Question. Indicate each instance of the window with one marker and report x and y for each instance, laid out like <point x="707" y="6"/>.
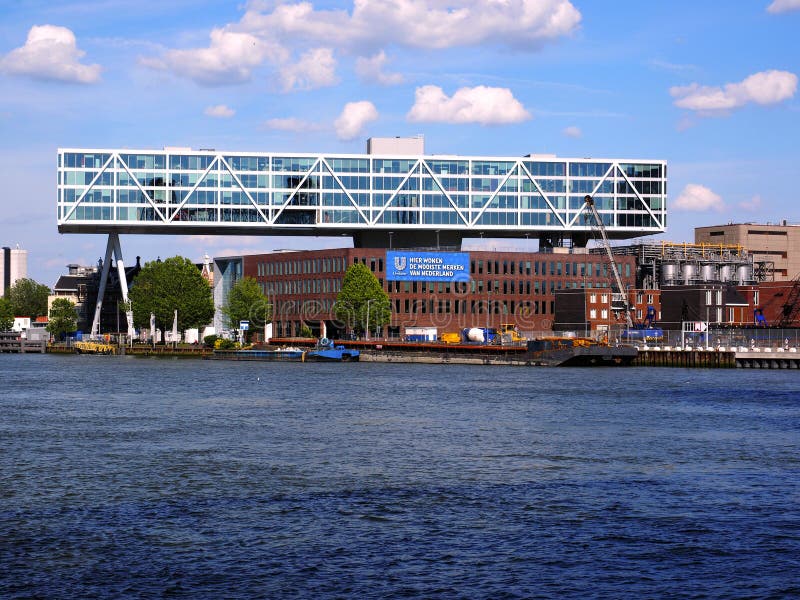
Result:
<point x="592" y="298"/>
<point x="604" y="314"/>
<point x="593" y="314"/>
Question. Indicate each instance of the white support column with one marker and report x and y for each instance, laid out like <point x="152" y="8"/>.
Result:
<point x="103" y="281"/>
<point x="123" y="282"/>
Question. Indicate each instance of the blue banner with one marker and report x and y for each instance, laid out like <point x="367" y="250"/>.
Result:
<point x="427" y="266"/>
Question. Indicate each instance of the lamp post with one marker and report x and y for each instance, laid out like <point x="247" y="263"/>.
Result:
<point x="266" y="308"/>
<point x="366" y="328"/>
<point x="488" y="310"/>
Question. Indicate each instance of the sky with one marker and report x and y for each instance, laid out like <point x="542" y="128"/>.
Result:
<point x="709" y="87"/>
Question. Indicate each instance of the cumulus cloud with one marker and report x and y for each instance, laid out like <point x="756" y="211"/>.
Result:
<point x="782" y="6"/>
<point x="220" y="111"/>
<point x="50" y="53"/>
<point x="230" y="58"/>
<point x="480" y="104"/>
<point x="315" y="69"/>
<point x="274" y="32"/>
<point x="419" y="23"/>
<point x="696" y="197"/>
<point x="291" y="124"/>
<point x="766" y="87"/>
<point x="371" y="69"/>
<point x="354" y="118"/>
<point x="572" y="131"/>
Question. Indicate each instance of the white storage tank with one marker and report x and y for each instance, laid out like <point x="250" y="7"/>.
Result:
<point x="725" y="272"/>
<point x="669" y="273"/>
<point x="708" y="272"/>
<point x="689" y="272"/>
<point x="744" y="274"/>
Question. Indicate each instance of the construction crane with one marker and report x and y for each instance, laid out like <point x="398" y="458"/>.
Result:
<point x="592" y="210"/>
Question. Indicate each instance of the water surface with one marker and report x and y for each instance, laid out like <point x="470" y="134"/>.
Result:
<point x="131" y="477"/>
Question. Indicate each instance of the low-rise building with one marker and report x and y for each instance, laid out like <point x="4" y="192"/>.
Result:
<point x="775" y="247"/>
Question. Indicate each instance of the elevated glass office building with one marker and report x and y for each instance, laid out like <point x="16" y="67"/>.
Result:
<point x="381" y="198"/>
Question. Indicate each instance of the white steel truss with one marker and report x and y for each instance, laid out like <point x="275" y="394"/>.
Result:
<point x="169" y="191"/>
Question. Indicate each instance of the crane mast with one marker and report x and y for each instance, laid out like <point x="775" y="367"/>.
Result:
<point x="592" y="210"/>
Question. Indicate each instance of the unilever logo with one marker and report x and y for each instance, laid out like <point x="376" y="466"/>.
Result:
<point x="399" y="263"/>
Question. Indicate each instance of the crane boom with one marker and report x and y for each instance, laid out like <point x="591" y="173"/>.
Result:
<point x="592" y="210"/>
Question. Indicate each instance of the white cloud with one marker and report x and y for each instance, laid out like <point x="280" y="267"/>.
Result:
<point x="272" y="32"/>
<point x="230" y="58"/>
<point x="291" y="124"/>
<point x="751" y="205"/>
<point x="371" y="69"/>
<point x="480" y="104"/>
<point x="50" y="53"/>
<point x="766" y="87"/>
<point x="354" y="117"/>
<point x="572" y="131"/>
<point x="220" y="111"/>
<point x="696" y="197"/>
<point x="782" y="6"/>
<point x="418" y="23"/>
<point x="315" y="69"/>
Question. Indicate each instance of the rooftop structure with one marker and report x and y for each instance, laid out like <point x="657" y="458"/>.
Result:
<point x="392" y="196"/>
<point x="669" y="263"/>
<point x="777" y="246"/>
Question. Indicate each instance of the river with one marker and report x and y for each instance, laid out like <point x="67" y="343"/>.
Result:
<point x="134" y="477"/>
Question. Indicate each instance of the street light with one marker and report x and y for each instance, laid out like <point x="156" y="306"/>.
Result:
<point x="366" y="328"/>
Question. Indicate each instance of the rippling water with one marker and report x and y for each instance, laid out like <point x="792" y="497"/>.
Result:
<point x="126" y="477"/>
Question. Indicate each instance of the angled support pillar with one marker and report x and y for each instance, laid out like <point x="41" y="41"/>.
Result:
<point x="112" y="247"/>
<point x="123" y="282"/>
<point x="103" y="281"/>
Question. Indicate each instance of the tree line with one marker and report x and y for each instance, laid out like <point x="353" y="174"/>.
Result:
<point x="164" y="286"/>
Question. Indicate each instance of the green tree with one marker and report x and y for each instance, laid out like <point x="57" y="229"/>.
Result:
<point x="6" y="314"/>
<point x="161" y="287"/>
<point x="63" y="317"/>
<point x="362" y="296"/>
<point x="28" y="298"/>
<point x="246" y="302"/>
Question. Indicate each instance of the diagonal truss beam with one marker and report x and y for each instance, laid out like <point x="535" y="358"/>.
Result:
<point x="196" y="185"/>
<point x="396" y="191"/>
<point x="441" y="188"/>
<point x="89" y="187"/>
<point x="543" y="195"/>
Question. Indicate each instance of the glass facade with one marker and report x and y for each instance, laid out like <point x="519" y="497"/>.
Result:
<point x="170" y="190"/>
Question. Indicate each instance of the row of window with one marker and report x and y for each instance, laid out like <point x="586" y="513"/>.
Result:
<point x="351" y="182"/>
<point x="334" y="264"/>
<point x="477" y="267"/>
<point x="201" y="162"/>
<point x="433" y="201"/>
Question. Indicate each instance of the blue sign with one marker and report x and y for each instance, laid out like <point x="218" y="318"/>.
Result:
<point x="427" y="266"/>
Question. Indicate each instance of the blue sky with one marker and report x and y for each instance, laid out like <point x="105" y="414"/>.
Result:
<point x="710" y="87"/>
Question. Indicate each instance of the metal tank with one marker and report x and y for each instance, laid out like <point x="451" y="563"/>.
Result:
<point x="689" y="271"/>
<point x="669" y="273"/>
<point x="725" y="272"/>
<point x="708" y="272"/>
<point x="744" y="273"/>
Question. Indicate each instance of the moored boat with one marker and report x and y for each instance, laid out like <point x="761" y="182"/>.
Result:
<point x="326" y="350"/>
<point x="275" y="354"/>
<point x="578" y="352"/>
